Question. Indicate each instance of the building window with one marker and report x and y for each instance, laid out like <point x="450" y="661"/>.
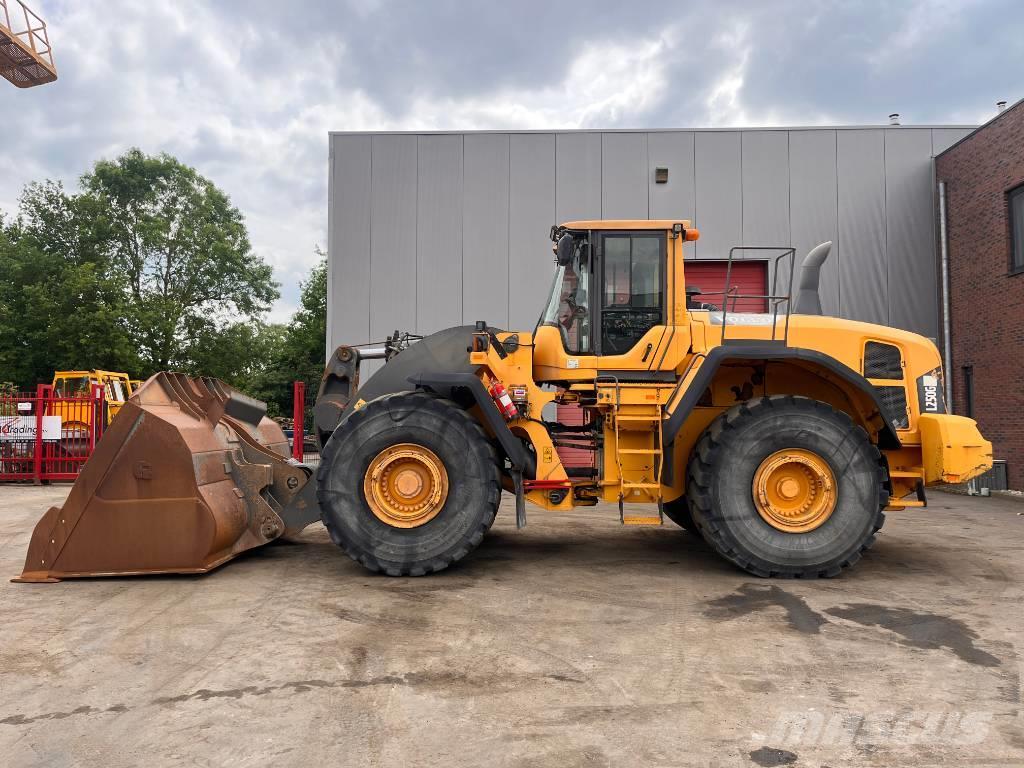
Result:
<point x="1016" y="205"/>
<point x="969" y="391"/>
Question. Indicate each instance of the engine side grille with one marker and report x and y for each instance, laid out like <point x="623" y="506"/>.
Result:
<point x="882" y="361"/>
<point x="895" y="401"/>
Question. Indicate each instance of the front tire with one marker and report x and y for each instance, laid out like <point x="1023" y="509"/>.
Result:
<point x="787" y="486"/>
<point x="408" y="484"/>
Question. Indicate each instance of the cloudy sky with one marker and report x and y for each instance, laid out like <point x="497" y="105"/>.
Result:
<point x="247" y="91"/>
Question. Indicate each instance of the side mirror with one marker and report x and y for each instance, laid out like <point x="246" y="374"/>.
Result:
<point x="564" y="249"/>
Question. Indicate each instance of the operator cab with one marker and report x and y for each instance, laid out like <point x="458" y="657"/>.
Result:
<point x="629" y="266"/>
<point x="612" y="296"/>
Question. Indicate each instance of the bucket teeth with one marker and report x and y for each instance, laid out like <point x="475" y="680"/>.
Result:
<point x="189" y="474"/>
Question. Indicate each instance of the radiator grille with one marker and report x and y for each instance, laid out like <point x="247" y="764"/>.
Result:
<point x="882" y="361"/>
<point x="894" y="399"/>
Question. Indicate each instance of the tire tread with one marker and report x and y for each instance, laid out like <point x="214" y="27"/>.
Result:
<point x="717" y="441"/>
<point x="446" y="409"/>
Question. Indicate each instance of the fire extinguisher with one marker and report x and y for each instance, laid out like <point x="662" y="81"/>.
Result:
<point x="503" y="401"/>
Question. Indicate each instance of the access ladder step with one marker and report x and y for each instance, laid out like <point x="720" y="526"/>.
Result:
<point x="641" y="520"/>
<point x="648" y="451"/>
<point x="641" y="485"/>
<point x="634" y="417"/>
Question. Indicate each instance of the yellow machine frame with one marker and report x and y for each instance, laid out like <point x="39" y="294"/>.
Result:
<point x="932" y="447"/>
<point x="834" y="419"/>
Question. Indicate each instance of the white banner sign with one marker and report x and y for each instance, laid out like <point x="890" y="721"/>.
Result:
<point x="23" y="428"/>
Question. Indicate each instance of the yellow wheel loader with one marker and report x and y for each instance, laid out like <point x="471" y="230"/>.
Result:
<point x="781" y="437"/>
<point x="76" y="416"/>
<point x="117" y="387"/>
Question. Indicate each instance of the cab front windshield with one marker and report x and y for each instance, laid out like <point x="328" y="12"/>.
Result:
<point x="72" y="386"/>
<point x="568" y="307"/>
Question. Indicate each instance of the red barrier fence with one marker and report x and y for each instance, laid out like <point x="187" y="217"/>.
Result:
<point x="45" y="436"/>
<point x="304" y="447"/>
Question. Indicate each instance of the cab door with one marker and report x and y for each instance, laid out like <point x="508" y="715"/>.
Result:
<point x="634" y="331"/>
<point x="621" y="313"/>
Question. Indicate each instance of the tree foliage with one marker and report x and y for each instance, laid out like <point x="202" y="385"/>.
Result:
<point x="60" y="301"/>
<point x="183" y="250"/>
<point x="148" y="267"/>
<point x="299" y="353"/>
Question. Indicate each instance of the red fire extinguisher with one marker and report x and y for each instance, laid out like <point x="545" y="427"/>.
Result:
<point x="503" y="401"/>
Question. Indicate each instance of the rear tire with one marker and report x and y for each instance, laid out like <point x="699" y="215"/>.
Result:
<point x="721" y="487"/>
<point x="471" y="492"/>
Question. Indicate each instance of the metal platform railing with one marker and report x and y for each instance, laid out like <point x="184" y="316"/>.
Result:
<point x="774" y="299"/>
<point x="26" y="58"/>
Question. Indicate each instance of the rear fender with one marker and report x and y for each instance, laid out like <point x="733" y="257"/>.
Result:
<point x="868" y="408"/>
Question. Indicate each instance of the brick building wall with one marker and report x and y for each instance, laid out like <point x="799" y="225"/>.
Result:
<point x="987" y="301"/>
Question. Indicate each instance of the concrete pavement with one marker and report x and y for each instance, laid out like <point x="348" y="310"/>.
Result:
<point x="575" y="642"/>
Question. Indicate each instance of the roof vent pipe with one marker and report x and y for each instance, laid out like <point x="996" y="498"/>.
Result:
<point x="894" y="118"/>
<point x="1000" y="106"/>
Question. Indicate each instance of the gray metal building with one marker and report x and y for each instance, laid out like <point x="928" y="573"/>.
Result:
<point x="429" y="230"/>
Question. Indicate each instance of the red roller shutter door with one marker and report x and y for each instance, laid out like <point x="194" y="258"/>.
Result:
<point x="748" y="277"/>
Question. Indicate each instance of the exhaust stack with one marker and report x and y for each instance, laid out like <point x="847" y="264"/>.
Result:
<point x="808" y="301"/>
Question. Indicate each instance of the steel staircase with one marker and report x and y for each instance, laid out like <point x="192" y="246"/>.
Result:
<point x="638" y="422"/>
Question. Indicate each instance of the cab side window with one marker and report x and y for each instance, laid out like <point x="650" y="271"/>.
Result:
<point x="633" y="299"/>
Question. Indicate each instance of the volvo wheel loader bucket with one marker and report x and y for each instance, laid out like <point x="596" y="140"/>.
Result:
<point x="189" y="474"/>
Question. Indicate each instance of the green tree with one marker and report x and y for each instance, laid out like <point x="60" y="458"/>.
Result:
<point x="306" y="337"/>
<point x="300" y="350"/>
<point x="240" y="354"/>
<point x="184" y="252"/>
<point x="147" y="268"/>
<point x="60" y="302"/>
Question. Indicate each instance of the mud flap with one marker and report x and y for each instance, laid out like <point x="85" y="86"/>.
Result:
<point x="517" y="481"/>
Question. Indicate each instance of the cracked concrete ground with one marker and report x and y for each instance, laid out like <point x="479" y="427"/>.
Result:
<point x="575" y="642"/>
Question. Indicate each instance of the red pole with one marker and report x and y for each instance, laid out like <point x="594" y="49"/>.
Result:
<point x="298" y="420"/>
<point x="37" y="462"/>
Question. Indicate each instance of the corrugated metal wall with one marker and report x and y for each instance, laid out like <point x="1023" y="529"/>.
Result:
<point x="435" y="229"/>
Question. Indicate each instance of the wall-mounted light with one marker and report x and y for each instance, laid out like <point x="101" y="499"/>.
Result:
<point x="661" y="175"/>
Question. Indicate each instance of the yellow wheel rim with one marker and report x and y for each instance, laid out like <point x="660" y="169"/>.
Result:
<point x="794" y="490"/>
<point x="405" y="485"/>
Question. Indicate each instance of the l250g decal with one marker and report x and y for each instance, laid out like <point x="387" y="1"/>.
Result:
<point x="929" y="392"/>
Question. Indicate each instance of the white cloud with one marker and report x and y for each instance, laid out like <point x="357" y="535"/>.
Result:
<point x="922" y="21"/>
<point x="247" y="91"/>
<point x="723" y="103"/>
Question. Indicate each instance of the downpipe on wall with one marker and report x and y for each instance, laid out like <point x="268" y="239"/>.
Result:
<point x="947" y="347"/>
